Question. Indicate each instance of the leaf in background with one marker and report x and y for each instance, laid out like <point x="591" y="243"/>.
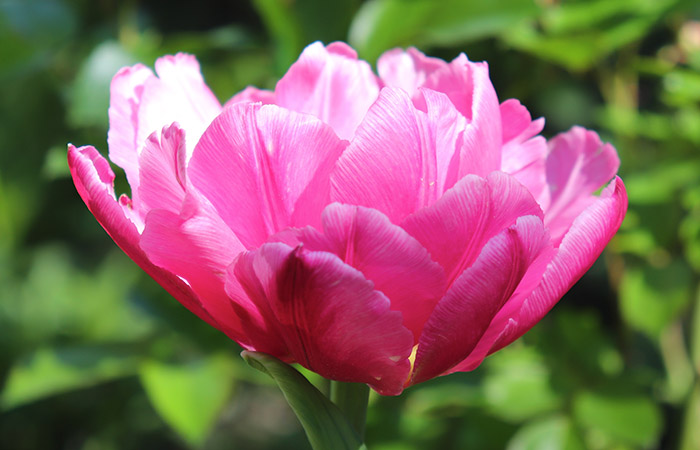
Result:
<point x="660" y="184"/>
<point x="30" y="30"/>
<point x="551" y="433"/>
<point x="382" y="24"/>
<point x="325" y="425"/>
<point x="578" y="34"/>
<point x="189" y="397"/>
<point x="296" y="23"/>
<point x="611" y="419"/>
<point x="89" y="95"/>
<point x="651" y="297"/>
<point x="516" y="386"/>
<point x="56" y="298"/>
<point x="49" y="372"/>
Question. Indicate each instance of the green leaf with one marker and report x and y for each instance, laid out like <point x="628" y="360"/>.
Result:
<point x="517" y="385"/>
<point x="89" y="99"/>
<point x="634" y="420"/>
<point x="578" y="34"/>
<point x="189" y="397"/>
<point x="49" y="372"/>
<point x="651" y="298"/>
<point x="375" y="28"/>
<point x="295" y="24"/>
<point x="550" y="433"/>
<point x="324" y="423"/>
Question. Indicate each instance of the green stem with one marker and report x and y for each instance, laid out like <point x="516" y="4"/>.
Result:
<point x="352" y="399"/>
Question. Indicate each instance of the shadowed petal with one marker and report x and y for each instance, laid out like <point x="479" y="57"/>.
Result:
<point x="197" y="246"/>
<point x="329" y="316"/>
<point x="578" y="164"/>
<point x="455" y="229"/>
<point x="579" y="249"/>
<point x="465" y="312"/>
<point x="395" y="262"/>
<point x="94" y="179"/>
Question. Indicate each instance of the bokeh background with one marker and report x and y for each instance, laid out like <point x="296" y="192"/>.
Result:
<point x="94" y="355"/>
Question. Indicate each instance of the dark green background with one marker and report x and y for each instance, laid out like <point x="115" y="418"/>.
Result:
<point x="94" y="355"/>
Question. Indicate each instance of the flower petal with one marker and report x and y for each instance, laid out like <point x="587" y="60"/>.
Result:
<point x="329" y="316"/>
<point x="524" y="152"/>
<point x="251" y="94"/>
<point x="465" y="312"/>
<point x="401" y="157"/>
<point x="455" y="229"/>
<point x="94" y="180"/>
<point x="197" y="246"/>
<point x="142" y="103"/>
<point x="265" y="168"/>
<point x="407" y="70"/>
<point x="579" y="249"/>
<point x="578" y="164"/>
<point x="469" y="87"/>
<point x="386" y="255"/>
<point x="331" y="84"/>
<point x="162" y="174"/>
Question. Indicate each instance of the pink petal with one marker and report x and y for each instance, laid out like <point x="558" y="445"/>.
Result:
<point x="251" y="94"/>
<point x="142" y="103"/>
<point x="265" y="168"/>
<point x="465" y="312"/>
<point x="407" y="70"/>
<point x="579" y="249"/>
<point x="469" y="87"/>
<point x="331" y="84"/>
<point x="401" y="158"/>
<point x="162" y="173"/>
<point x="524" y="153"/>
<point x="126" y="91"/>
<point x="578" y="164"/>
<point x="395" y="262"/>
<point x="455" y="229"/>
<point x="94" y="180"/>
<point x="329" y="316"/>
<point x="198" y="247"/>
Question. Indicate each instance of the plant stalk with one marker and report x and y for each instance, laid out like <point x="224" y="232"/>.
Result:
<point x="352" y="400"/>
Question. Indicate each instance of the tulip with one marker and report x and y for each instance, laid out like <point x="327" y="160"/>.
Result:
<point x="380" y="229"/>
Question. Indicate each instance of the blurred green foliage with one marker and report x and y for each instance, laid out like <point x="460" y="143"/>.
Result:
<point x="94" y="355"/>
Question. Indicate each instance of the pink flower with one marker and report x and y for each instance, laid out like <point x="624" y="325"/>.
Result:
<point x="376" y="229"/>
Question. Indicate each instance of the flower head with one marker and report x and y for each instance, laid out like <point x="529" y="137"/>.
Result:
<point x="378" y="229"/>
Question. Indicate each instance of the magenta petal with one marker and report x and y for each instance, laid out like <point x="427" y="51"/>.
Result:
<point x="198" y="247"/>
<point x="329" y="316"/>
<point x="578" y="164"/>
<point x="331" y="84"/>
<point x="386" y="255"/>
<point x="579" y="249"/>
<point x="265" y="168"/>
<point x="454" y="229"/>
<point x="162" y="173"/>
<point x="465" y="312"/>
<point x="94" y="179"/>
<point x="401" y="157"/>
